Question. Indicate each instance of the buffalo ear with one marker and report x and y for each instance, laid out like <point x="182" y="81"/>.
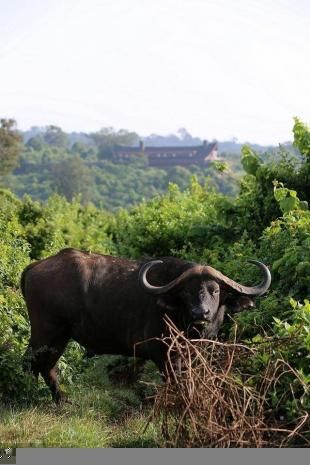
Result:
<point x="167" y="302"/>
<point x="235" y="304"/>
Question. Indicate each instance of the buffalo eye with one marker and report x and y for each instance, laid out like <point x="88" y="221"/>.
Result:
<point x="214" y="291"/>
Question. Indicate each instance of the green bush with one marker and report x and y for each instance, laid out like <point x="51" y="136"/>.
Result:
<point x="59" y="223"/>
<point x="269" y="221"/>
<point x="289" y="345"/>
<point x="14" y="332"/>
<point x="173" y="223"/>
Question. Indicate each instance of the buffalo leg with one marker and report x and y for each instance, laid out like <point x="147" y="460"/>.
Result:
<point x="44" y="360"/>
<point x="29" y="364"/>
<point x="50" y="377"/>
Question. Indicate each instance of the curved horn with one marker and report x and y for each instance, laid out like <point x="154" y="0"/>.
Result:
<point x="208" y="272"/>
<point x="194" y="271"/>
<point x="260" y="289"/>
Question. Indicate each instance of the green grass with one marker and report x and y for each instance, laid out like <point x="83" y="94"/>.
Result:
<point x="110" y="417"/>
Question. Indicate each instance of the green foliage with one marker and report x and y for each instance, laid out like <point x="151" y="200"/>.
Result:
<point x="286" y="242"/>
<point x="284" y="246"/>
<point x="106" y="138"/>
<point x="47" y="166"/>
<point x="72" y="177"/>
<point x="256" y="205"/>
<point x="297" y="330"/>
<point x="302" y="138"/>
<point x="55" y="136"/>
<point x="14" y="383"/>
<point x="59" y="224"/>
<point x="14" y="332"/>
<point x="170" y="224"/>
<point x="10" y="145"/>
<point x="287" y="198"/>
<point x="289" y="344"/>
<point x="269" y="220"/>
<point x="36" y="142"/>
<point x="220" y="166"/>
<point x="250" y="160"/>
<point x="14" y="249"/>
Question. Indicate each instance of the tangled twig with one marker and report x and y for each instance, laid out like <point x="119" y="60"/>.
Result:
<point x="210" y="400"/>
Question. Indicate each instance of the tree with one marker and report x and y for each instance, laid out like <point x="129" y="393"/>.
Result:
<point x="36" y="142"/>
<point x="73" y="177"/>
<point x="107" y="138"/>
<point x="302" y="138"/>
<point x="86" y="152"/>
<point x="55" y="136"/>
<point x="10" y="145"/>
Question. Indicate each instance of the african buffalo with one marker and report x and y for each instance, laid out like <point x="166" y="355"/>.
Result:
<point x="110" y="304"/>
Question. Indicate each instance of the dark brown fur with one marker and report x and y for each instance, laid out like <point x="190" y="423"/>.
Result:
<point x="97" y="301"/>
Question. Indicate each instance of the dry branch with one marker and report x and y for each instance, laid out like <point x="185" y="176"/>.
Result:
<point x="210" y="400"/>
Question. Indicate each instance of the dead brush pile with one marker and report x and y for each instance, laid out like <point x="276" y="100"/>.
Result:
<point x="211" y="399"/>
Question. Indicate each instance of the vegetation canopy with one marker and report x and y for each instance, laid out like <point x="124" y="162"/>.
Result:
<point x="258" y="370"/>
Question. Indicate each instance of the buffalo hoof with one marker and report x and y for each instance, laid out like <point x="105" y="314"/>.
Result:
<point x="62" y="399"/>
<point x="67" y="401"/>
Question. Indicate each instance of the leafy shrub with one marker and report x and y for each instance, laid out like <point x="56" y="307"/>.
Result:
<point x="14" y="329"/>
<point x="173" y="223"/>
<point x="59" y="223"/>
<point x="289" y="342"/>
<point x="297" y="331"/>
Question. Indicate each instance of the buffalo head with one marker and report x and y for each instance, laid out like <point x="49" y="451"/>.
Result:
<point x="201" y="295"/>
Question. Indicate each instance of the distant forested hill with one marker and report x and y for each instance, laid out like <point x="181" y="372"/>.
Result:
<point x="78" y="163"/>
<point x="181" y="138"/>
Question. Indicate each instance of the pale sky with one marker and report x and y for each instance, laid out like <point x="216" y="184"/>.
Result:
<point x="219" y="68"/>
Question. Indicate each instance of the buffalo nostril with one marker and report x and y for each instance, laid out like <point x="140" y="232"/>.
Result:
<point x="206" y="314"/>
<point x="200" y="314"/>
